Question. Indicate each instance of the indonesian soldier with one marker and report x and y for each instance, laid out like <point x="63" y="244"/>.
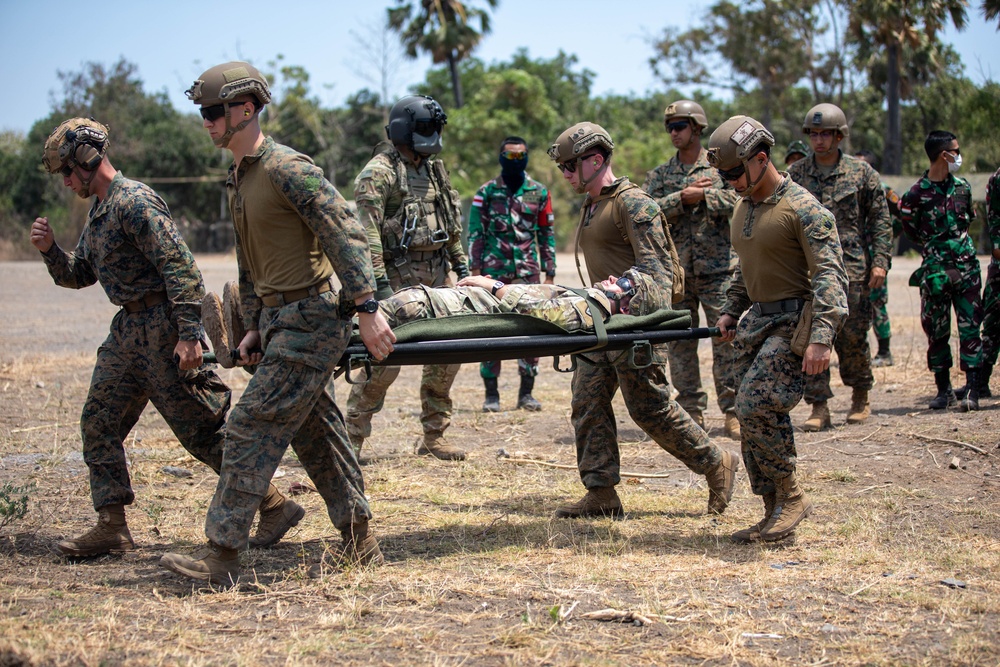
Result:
<point x="852" y="191"/>
<point x="132" y="247"/>
<point x="991" y="293"/>
<point x="936" y="213"/>
<point x="796" y="151"/>
<point x="512" y="239"/>
<point x="622" y="227"/>
<point x="414" y="223"/>
<point x="791" y="284"/>
<point x="697" y="205"/>
<point x="293" y="232"/>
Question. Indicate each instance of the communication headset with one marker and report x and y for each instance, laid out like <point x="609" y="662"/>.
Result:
<point x="85" y="147"/>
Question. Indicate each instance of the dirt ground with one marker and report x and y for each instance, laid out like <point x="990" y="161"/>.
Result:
<point x="899" y="565"/>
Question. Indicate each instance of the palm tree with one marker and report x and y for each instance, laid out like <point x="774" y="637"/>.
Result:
<point x="891" y="25"/>
<point x="443" y="29"/>
<point x="991" y="11"/>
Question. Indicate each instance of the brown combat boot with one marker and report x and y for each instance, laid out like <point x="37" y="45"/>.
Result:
<point x="359" y="548"/>
<point x="752" y="534"/>
<point x="790" y="506"/>
<point x="733" y="426"/>
<point x="819" y="419"/>
<point x="438" y="447"/>
<point x="110" y="535"/>
<point x="861" y="409"/>
<point x="217" y="565"/>
<point x="599" y="501"/>
<point x="278" y="515"/>
<point x="721" y="480"/>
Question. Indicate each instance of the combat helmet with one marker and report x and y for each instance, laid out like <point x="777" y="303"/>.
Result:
<point x="645" y="295"/>
<point x="825" y="116"/>
<point x="77" y="144"/>
<point x="223" y="85"/>
<point x="736" y="141"/>
<point x="417" y="121"/>
<point x="687" y="110"/>
<point x="575" y="141"/>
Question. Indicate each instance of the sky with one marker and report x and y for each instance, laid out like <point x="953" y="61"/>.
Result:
<point x="172" y="43"/>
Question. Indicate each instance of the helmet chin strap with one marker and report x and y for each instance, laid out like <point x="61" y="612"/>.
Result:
<point x="223" y="141"/>
<point x="752" y="184"/>
<point x="581" y="183"/>
<point x="84" y="191"/>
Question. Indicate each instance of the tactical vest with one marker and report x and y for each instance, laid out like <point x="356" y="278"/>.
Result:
<point x="419" y="222"/>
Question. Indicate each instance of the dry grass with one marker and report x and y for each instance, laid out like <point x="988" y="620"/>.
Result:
<point x="478" y="572"/>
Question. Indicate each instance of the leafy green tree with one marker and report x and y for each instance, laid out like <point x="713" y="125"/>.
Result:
<point x="442" y="28"/>
<point x="894" y="26"/>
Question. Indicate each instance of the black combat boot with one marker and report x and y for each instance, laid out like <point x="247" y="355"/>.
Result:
<point x="945" y="397"/>
<point x="525" y="401"/>
<point x="985" y="372"/>
<point x="971" y="400"/>
<point x="492" y="402"/>
<point x="884" y="356"/>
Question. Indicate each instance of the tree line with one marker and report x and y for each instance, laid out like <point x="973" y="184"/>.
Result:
<point x="768" y="59"/>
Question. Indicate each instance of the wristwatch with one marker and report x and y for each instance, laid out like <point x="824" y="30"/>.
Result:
<point x="496" y="286"/>
<point x="369" y="306"/>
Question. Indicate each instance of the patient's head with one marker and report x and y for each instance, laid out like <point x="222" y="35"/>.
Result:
<point x="633" y="293"/>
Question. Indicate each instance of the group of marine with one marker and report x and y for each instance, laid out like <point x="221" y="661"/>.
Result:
<point x="786" y="265"/>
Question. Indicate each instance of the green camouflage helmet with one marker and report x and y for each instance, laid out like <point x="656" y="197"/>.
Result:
<point x="733" y="142"/>
<point x="687" y="110"/>
<point x="578" y="139"/>
<point x="226" y="82"/>
<point x="825" y="116"/>
<point x="647" y="297"/>
<point x="796" y="147"/>
<point x="75" y="142"/>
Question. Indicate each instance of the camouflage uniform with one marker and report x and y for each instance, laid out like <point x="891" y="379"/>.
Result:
<point x="852" y="191"/>
<point x="131" y="246"/>
<point x="551" y="303"/>
<point x="991" y="294"/>
<point x="645" y="391"/>
<point x="769" y="374"/>
<point x="289" y="220"/>
<point x="937" y="215"/>
<point x="389" y="191"/>
<point x="512" y="239"/>
<point x="880" y="295"/>
<point x="701" y="234"/>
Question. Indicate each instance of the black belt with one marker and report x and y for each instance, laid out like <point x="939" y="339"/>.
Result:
<point x="777" y="307"/>
<point x="145" y="303"/>
<point x="282" y="298"/>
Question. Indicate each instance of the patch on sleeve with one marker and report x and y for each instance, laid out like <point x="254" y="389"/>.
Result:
<point x="312" y="183"/>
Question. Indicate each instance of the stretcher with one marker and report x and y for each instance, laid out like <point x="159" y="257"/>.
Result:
<point x="467" y="338"/>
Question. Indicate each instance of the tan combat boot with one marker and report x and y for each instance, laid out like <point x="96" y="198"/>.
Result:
<point x="599" y="501"/>
<point x="790" y="506"/>
<point x="278" y="515"/>
<point x="111" y="534"/>
<point x="861" y="409"/>
<point x="359" y="548"/>
<point x="217" y="565"/>
<point x="752" y="534"/>
<point x="819" y="419"/>
<point x="733" y="426"/>
<point x="438" y="447"/>
<point x="721" y="480"/>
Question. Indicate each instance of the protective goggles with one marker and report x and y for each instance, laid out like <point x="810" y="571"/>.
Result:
<point x="677" y="126"/>
<point x="217" y="111"/>
<point x="66" y="170"/>
<point x="427" y="127"/>
<point x="732" y="174"/>
<point x="570" y="166"/>
<point x="628" y="289"/>
<point x="513" y="155"/>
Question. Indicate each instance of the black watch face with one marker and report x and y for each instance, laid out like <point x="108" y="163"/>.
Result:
<point x="369" y="306"/>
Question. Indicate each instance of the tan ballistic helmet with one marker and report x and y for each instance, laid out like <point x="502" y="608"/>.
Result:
<point x="647" y="297"/>
<point x="732" y="142"/>
<point x="579" y="139"/>
<point x="688" y="110"/>
<point x="228" y="81"/>
<point x="75" y="142"/>
<point x="825" y="116"/>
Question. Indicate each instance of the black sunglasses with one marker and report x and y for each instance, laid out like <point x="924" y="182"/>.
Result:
<point x="732" y="174"/>
<point x="217" y="111"/>
<point x="570" y="166"/>
<point x="66" y="170"/>
<point x="677" y="126"/>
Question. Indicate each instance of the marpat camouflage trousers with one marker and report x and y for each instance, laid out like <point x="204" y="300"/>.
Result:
<point x="852" y="348"/>
<point x="435" y="398"/>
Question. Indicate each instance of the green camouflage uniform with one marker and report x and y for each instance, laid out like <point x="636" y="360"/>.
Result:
<point x="991" y="294"/>
<point x="512" y="239"/>
<point x="769" y="374"/>
<point x="131" y="246"/>
<point x="701" y="234"/>
<point x="880" y="295"/>
<point x="551" y="303"/>
<point x="286" y="401"/>
<point x="937" y="216"/>
<point x="645" y="391"/>
<point x="852" y="191"/>
<point x="388" y="191"/>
